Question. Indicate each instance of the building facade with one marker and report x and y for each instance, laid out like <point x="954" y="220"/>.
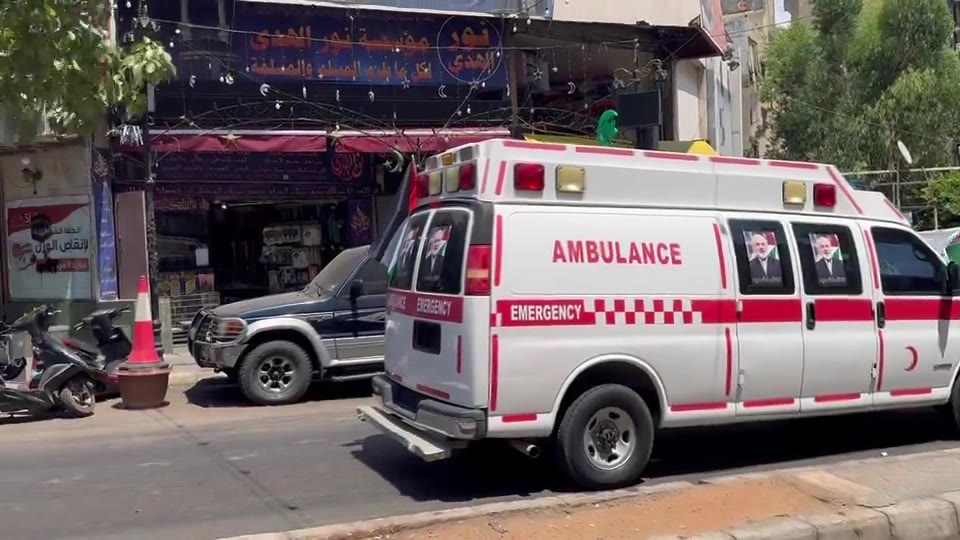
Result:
<point x="286" y="133"/>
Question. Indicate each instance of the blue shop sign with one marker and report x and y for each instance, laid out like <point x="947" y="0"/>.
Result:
<point x="402" y="50"/>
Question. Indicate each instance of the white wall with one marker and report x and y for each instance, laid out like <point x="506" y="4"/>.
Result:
<point x="724" y="118"/>
<point x="65" y="168"/>
<point x="690" y="100"/>
<point x="655" y="12"/>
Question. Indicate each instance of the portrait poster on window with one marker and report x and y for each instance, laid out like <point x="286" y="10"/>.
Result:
<point x="406" y="255"/>
<point x="431" y="266"/>
<point x="828" y="260"/>
<point x="763" y="257"/>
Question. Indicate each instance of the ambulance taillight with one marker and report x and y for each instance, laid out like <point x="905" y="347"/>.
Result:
<point x="478" y="271"/>
<point x="825" y="195"/>
<point x="528" y="177"/>
<point x="468" y="175"/>
<point x="421" y="186"/>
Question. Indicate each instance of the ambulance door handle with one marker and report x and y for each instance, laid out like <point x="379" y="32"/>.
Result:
<point x="811" y="316"/>
<point x="881" y="315"/>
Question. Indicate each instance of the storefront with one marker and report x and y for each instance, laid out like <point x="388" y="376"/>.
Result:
<point x="243" y="214"/>
<point x="246" y="224"/>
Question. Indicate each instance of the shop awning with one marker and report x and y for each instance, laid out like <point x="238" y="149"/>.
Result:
<point x="374" y="141"/>
<point x="239" y="141"/>
<point x="413" y="140"/>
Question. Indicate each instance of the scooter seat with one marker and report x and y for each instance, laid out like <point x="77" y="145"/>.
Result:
<point x="82" y="346"/>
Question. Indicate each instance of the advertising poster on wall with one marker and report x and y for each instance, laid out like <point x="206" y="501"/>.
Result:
<point x="50" y="243"/>
<point x="711" y="20"/>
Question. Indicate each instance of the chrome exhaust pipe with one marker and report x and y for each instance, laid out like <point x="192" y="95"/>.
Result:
<point x="526" y="448"/>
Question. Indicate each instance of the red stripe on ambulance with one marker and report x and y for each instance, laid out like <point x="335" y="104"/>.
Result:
<point x="551" y="147"/>
<point x="875" y="271"/>
<point x="921" y="309"/>
<point x="726" y="160"/>
<point x="501" y="176"/>
<point x="723" y="262"/>
<point x="671" y="155"/>
<point x="842" y="184"/>
<point x="600" y="150"/>
<point x="486" y="173"/>
<point x="494" y="370"/>
<point x="793" y="164"/>
<point x="426" y="306"/>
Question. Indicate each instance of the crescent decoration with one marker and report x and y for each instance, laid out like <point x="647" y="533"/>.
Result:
<point x="914" y="358"/>
<point x="442" y="91"/>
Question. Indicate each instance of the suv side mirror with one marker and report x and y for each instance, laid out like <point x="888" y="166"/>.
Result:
<point x="953" y="277"/>
<point x="357" y="289"/>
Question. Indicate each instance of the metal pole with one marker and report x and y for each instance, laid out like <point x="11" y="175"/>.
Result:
<point x="150" y="217"/>
<point x="896" y="190"/>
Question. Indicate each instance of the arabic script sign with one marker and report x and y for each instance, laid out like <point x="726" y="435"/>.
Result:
<point x="225" y="174"/>
<point x="401" y="50"/>
<point x="50" y="248"/>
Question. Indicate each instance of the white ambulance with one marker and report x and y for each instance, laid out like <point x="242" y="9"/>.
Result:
<point x="580" y="299"/>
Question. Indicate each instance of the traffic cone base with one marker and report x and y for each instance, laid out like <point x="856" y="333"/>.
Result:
<point x="143" y="377"/>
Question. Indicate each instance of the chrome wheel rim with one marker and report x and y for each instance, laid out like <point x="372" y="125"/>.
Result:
<point x="275" y="374"/>
<point x="609" y="438"/>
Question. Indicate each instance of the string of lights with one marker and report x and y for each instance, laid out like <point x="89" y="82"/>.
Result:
<point x="402" y="47"/>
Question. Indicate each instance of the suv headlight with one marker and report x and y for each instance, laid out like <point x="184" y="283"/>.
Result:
<point x="228" y="330"/>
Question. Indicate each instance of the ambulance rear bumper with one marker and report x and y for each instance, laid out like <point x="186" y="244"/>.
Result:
<point x="416" y="419"/>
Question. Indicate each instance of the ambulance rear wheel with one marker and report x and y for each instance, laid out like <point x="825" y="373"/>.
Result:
<point x="951" y="411"/>
<point x="605" y="438"/>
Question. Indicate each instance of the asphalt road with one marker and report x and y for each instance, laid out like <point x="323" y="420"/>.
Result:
<point x="207" y="466"/>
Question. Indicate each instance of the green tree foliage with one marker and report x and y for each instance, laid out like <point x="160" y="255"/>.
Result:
<point x="57" y="58"/>
<point x="844" y="86"/>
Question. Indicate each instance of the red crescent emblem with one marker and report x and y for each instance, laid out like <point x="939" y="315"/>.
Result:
<point x="914" y="358"/>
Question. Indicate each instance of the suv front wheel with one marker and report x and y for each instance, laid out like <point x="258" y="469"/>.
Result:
<point x="275" y="373"/>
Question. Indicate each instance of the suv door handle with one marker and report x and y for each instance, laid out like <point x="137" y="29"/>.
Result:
<point x="811" y="316"/>
<point x="881" y="315"/>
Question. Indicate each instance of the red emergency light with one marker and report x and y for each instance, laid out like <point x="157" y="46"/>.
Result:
<point x="468" y="175"/>
<point x="528" y="177"/>
<point x="825" y="195"/>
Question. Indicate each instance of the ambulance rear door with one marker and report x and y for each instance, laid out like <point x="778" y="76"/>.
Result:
<point x="438" y="305"/>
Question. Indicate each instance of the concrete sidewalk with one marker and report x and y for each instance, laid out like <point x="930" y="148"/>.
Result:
<point x="186" y="372"/>
<point x="914" y="497"/>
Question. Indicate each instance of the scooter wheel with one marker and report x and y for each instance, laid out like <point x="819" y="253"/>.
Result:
<point x="77" y="397"/>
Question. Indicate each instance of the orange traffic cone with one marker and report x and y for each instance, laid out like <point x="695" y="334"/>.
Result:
<point x="144" y="348"/>
<point x="144" y="376"/>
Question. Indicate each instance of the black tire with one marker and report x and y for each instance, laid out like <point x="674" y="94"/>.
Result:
<point x="78" y="397"/>
<point x="951" y="410"/>
<point x="272" y="352"/>
<point x="571" y="449"/>
<point x="233" y="374"/>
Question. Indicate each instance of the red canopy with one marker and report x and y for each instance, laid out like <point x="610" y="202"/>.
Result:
<point x="376" y="142"/>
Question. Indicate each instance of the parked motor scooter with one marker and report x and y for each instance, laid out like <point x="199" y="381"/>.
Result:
<point x="59" y="376"/>
<point x="112" y="348"/>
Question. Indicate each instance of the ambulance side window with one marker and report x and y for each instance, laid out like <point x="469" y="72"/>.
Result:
<point x="441" y="262"/>
<point x="763" y="257"/>
<point x="401" y="274"/>
<point x="828" y="257"/>
<point x="907" y="266"/>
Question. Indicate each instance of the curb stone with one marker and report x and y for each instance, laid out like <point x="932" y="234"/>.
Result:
<point x="927" y="518"/>
<point x="190" y="377"/>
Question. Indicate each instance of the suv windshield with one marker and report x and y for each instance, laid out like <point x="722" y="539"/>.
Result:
<point x="336" y="271"/>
